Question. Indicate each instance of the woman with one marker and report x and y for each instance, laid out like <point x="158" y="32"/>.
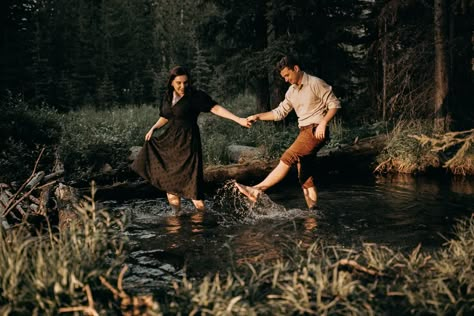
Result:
<point x="172" y="162"/>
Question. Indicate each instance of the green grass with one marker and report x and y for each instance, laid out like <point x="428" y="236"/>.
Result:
<point x="47" y="274"/>
<point x="39" y="274"/>
<point x="404" y="153"/>
<point x="92" y="138"/>
<point x="88" y="139"/>
<point x="328" y="280"/>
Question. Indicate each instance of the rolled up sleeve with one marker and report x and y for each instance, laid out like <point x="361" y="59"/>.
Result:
<point x="283" y="109"/>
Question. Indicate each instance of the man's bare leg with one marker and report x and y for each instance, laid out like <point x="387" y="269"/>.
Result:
<point x="277" y="174"/>
<point x="199" y="204"/>
<point x="311" y="196"/>
<point x="175" y="201"/>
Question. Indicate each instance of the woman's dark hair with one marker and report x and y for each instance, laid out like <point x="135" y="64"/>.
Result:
<point x="287" y="61"/>
<point x="175" y="72"/>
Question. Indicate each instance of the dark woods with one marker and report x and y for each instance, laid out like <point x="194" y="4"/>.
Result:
<point x="381" y="56"/>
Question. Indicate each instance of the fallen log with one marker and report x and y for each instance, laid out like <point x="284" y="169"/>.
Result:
<point x="53" y="175"/>
<point x="35" y="180"/>
<point x="356" y="158"/>
<point x="44" y="200"/>
<point x="345" y="159"/>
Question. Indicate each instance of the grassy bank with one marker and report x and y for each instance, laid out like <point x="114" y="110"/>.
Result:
<point x="76" y="269"/>
<point x="327" y="280"/>
<point x="40" y="273"/>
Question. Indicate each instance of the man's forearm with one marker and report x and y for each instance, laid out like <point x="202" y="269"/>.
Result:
<point x="329" y="115"/>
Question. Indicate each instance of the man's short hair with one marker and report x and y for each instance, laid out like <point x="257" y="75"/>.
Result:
<point x="287" y="61"/>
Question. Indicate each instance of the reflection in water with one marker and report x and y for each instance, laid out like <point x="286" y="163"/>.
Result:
<point x="462" y="185"/>
<point x="310" y="224"/>
<point x="398" y="211"/>
<point x="197" y="220"/>
<point x="173" y="224"/>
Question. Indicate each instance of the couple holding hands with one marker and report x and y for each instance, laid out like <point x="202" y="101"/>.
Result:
<point x="172" y="162"/>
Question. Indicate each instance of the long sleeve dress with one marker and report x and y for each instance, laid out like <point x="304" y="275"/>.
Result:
<point x="172" y="161"/>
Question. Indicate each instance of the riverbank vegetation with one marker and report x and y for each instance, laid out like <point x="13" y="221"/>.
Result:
<point x="76" y="269"/>
<point x="88" y="141"/>
<point x="328" y="280"/>
<point x="42" y="270"/>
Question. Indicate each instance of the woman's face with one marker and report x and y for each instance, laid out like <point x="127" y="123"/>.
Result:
<point x="179" y="84"/>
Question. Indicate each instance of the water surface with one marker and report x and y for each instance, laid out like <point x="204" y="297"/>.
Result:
<point x="399" y="212"/>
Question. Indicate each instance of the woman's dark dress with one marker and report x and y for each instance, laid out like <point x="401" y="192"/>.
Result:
<point x="172" y="162"/>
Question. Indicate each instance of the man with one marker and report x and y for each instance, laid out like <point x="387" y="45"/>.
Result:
<point x="315" y="105"/>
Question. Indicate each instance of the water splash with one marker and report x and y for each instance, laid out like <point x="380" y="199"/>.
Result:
<point x="235" y="208"/>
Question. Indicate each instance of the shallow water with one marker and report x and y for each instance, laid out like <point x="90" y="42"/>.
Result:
<point x="399" y="212"/>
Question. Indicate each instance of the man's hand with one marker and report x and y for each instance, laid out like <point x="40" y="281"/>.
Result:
<point x="253" y="118"/>
<point x="320" y="132"/>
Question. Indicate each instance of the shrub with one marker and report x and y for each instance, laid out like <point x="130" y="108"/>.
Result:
<point x="25" y="131"/>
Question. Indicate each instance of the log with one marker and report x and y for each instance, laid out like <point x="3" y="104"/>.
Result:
<point x="66" y="197"/>
<point x="5" y="223"/>
<point x="240" y="172"/>
<point x="19" y="208"/>
<point x="355" y="158"/>
<point x="346" y="159"/>
<point x="43" y="200"/>
<point x="33" y="199"/>
<point x="4" y="198"/>
<point x="35" y="180"/>
<point x="53" y="175"/>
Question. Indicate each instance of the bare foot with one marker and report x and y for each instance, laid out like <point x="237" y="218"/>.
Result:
<point x="251" y="193"/>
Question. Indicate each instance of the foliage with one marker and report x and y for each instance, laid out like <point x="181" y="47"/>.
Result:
<point x="91" y="138"/>
<point x="25" y="131"/>
<point x="457" y="146"/>
<point x="404" y="61"/>
<point x="41" y="273"/>
<point x="403" y="154"/>
<point x="331" y="280"/>
<point x="218" y="133"/>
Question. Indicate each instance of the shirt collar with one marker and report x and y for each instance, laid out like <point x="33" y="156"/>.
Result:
<point x="304" y="80"/>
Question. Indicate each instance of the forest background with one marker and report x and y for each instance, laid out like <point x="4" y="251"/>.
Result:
<point x="388" y="61"/>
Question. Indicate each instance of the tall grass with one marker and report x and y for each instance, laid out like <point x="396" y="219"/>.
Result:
<point x="404" y="153"/>
<point x="328" y="280"/>
<point x="41" y="273"/>
<point x="91" y="137"/>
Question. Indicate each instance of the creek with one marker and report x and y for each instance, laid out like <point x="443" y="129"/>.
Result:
<point x="399" y="212"/>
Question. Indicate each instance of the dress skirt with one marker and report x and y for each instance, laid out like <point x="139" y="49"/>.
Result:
<point x="172" y="162"/>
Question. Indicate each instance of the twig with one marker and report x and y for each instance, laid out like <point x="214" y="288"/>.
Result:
<point x="7" y="210"/>
<point x="355" y="265"/>
<point x="26" y="182"/>
<point x="88" y="310"/>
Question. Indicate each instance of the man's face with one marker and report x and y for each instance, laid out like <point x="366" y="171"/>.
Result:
<point x="291" y="75"/>
<point x="179" y="84"/>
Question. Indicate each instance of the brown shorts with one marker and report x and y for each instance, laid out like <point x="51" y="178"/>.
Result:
<point x="303" y="153"/>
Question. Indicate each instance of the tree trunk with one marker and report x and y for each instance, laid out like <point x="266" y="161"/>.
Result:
<point x="261" y="85"/>
<point x="441" y="67"/>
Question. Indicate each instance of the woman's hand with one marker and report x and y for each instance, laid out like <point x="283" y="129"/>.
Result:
<point x="149" y="134"/>
<point x="244" y="122"/>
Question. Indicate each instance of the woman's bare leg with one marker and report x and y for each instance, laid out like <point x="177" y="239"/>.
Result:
<point x="175" y="201"/>
<point x="199" y="204"/>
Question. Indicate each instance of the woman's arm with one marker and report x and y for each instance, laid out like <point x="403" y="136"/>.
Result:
<point x="161" y="121"/>
<point x="223" y="112"/>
